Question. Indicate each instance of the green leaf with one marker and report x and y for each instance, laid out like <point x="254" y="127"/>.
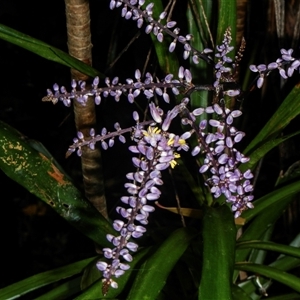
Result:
<point x="260" y="225"/>
<point x="263" y="221"/>
<point x="273" y="273"/>
<point x="45" y="50"/>
<point x="283" y="249"/>
<point x="219" y="234"/>
<point x="284" y="263"/>
<point x="63" y="291"/>
<point x="94" y="290"/>
<point x="239" y="294"/>
<point x="292" y="174"/>
<point x="153" y="274"/>
<point x="197" y="12"/>
<point x="32" y="283"/>
<point x="226" y="19"/>
<point x="199" y="16"/>
<point x="258" y="256"/>
<point x="274" y="197"/>
<point x="296" y="241"/>
<point x="40" y="175"/>
<point x="90" y="275"/>
<point x="291" y="296"/>
<point x="262" y="150"/>
<point x="288" y="110"/>
<point x="255" y="286"/>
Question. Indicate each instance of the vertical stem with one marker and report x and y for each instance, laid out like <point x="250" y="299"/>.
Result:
<point x="79" y="44"/>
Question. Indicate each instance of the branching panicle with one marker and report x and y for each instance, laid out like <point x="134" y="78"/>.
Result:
<point x="286" y="65"/>
<point x="221" y="158"/>
<point x="136" y="11"/>
<point x="155" y="147"/>
<point x="81" y="141"/>
<point x="133" y="88"/>
<point x="155" y="151"/>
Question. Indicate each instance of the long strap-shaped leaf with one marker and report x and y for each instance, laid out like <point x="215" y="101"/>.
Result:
<point x="45" y="50"/>
<point x="226" y="18"/>
<point x="239" y="294"/>
<point x="199" y="17"/>
<point x="261" y="151"/>
<point x="284" y="263"/>
<point x="41" y="176"/>
<point x="277" y="197"/>
<point x="283" y="249"/>
<point x="288" y="110"/>
<point x="273" y="273"/>
<point x="219" y="235"/>
<point x="153" y="274"/>
<point x="260" y="225"/>
<point x="64" y="291"/>
<point x="93" y="291"/>
<point x="32" y="283"/>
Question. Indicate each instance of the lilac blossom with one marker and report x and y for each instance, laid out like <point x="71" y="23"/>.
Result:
<point x="155" y="148"/>
<point x="133" y="88"/>
<point x="140" y="12"/>
<point x="222" y="159"/>
<point x="155" y="151"/>
<point x="286" y="65"/>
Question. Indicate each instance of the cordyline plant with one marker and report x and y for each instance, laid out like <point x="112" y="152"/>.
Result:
<point x="209" y="131"/>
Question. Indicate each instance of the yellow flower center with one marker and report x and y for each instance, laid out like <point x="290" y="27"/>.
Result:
<point x="173" y="162"/>
<point x="151" y="131"/>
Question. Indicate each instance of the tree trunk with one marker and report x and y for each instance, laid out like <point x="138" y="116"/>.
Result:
<point x="79" y="44"/>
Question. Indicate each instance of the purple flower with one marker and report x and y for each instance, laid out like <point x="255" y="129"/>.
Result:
<point x="156" y="151"/>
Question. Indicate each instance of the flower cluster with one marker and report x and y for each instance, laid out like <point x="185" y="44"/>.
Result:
<point x="286" y="65"/>
<point x="221" y="158"/>
<point x="133" y="9"/>
<point x="132" y="88"/>
<point x="156" y="150"/>
<point x="223" y="70"/>
<point x="106" y="139"/>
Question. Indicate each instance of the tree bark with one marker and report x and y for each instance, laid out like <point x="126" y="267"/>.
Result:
<point x="79" y="45"/>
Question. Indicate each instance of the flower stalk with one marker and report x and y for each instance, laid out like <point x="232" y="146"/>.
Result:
<point x="155" y="146"/>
